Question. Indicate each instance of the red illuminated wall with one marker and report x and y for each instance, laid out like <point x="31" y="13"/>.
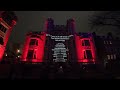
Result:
<point x="2" y="49"/>
<point x="80" y="49"/>
<point x="25" y="48"/>
<point x="38" y="50"/>
<point x="5" y="36"/>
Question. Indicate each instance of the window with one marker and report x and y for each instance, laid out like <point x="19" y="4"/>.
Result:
<point x="1" y="41"/>
<point x="2" y="28"/>
<point x="110" y="42"/>
<point x="104" y="42"/>
<point x="114" y="56"/>
<point x="108" y="56"/>
<point x="34" y="56"/>
<point x="33" y="42"/>
<point x="87" y="54"/>
<point x="85" y="43"/>
<point x="82" y="43"/>
<point x="30" y="54"/>
<point x="37" y="42"/>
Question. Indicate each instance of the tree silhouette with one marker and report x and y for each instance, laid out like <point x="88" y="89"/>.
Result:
<point x="105" y="18"/>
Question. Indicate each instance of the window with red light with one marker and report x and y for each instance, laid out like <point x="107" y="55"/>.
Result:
<point x="2" y="28"/>
<point x="82" y="42"/>
<point x="85" y="43"/>
<point x="34" y="56"/>
<point x="87" y="54"/>
<point x="33" y="42"/>
<point x="30" y="54"/>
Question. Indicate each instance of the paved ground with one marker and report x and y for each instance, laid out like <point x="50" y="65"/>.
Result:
<point x="24" y="71"/>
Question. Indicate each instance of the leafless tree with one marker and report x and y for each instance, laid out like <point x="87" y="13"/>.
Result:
<point x="105" y="18"/>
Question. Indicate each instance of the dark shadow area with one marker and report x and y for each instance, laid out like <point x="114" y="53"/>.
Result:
<point x="47" y="71"/>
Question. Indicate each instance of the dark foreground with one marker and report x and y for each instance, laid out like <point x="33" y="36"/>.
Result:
<point x="49" y="71"/>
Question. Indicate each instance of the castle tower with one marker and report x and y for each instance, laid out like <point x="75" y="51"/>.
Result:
<point x="85" y="47"/>
<point x="33" y="50"/>
<point x="8" y="20"/>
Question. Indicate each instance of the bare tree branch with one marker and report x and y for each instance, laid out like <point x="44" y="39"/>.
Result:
<point x="105" y="18"/>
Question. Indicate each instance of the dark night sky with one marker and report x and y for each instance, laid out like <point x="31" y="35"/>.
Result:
<point x="34" y="21"/>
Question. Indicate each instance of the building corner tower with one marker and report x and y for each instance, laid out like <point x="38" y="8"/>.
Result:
<point x="8" y="20"/>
